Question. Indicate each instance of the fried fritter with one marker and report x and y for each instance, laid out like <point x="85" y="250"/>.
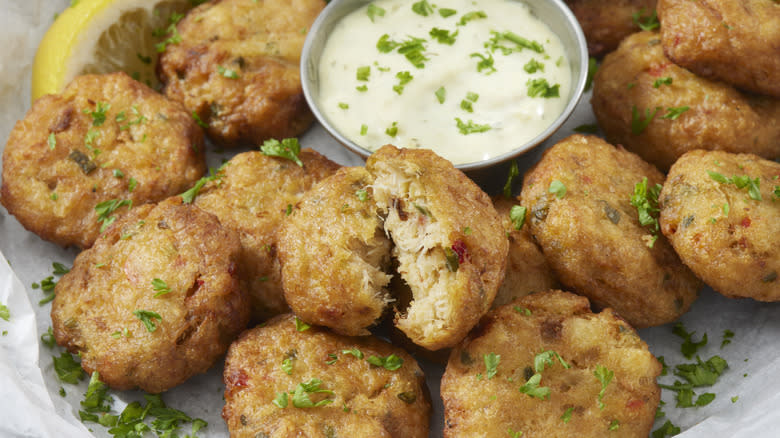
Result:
<point x="660" y="111"/>
<point x="79" y="160"/>
<point x="252" y="194"/>
<point x="334" y="255"/>
<point x="155" y="301"/>
<point x="449" y="242"/>
<point x="527" y="270"/>
<point x="606" y="23"/>
<point x="721" y="212"/>
<point x="736" y="41"/>
<point x="281" y="382"/>
<point x="545" y="366"/>
<point x="237" y="67"/>
<point x="580" y="210"/>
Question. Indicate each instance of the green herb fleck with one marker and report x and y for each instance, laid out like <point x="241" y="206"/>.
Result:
<point x="422" y="8"/>
<point x="638" y="124"/>
<point x="604" y="376"/>
<point x="300" y="325"/>
<point x="227" y="72"/>
<point x="674" y="112"/>
<point x="147" y="317"/>
<point x="390" y="363"/>
<point x="539" y="87"/>
<point x="666" y="80"/>
<point x="67" y="369"/>
<point x="288" y="148"/>
<point x="161" y="287"/>
<point x="441" y="94"/>
<point x="374" y="11"/>
<point x="557" y="188"/>
<point x="470" y="127"/>
<point x="491" y="364"/>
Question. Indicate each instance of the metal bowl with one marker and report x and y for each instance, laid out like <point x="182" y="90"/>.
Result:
<point x="553" y="12"/>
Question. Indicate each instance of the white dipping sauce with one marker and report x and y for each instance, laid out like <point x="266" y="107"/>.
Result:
<point x="499" y="97"/>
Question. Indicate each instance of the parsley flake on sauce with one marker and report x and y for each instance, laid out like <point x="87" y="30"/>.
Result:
<point x="5" y="313"/>
<point x="443" y="36"/>
<point x="422" y="8"/>
<point x="374" y="11"/>
<point x="441" y="94"/>
<point x="539" y="87"/>
<point x="470" y="127"/>
<point x="447" y="12"/>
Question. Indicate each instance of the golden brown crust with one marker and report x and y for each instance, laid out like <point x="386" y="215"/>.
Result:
<point x="719" y="117"/>
<point x="527" y="271"/>
<point x="555" y="321"/>
<point x="726" y="237"/>
<point x="367" y="400"/>
<point x="449" y="242"/>
<point x="606" y="23"/>
<point x="333" y="251"/>
<point x="592" y="237"/>
<point x="146" y="149"/>
<point x="261" y="43"/>
<point x="186" y="248"/>
<point x="736" y="41"/>
<point x="251" y="196"/>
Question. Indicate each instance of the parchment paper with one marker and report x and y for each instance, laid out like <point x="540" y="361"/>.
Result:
<point x="30" y="404"/>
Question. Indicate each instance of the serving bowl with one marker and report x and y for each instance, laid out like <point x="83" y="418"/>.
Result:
<point x="552" y="12"/>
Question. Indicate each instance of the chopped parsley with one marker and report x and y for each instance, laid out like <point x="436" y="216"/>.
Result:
<point x="592" y="69"/>
<point x="441" y="94"/>
<point x="118" y="173"/>
<point x="95" y="400"/>
<point x="139" y="118"/>
<point x="514" y="173"/>
<point x="532" y="388"/>
<point x="470" y="16"/>
<point x="363" y="73"/>
<point x="447" y="12"/>
<point x="48" y="338"/>
<point x="588" y="128"/>
<point x="470" y="127"/>
<point x="491" y="364"/>
<point x="666" y="80"/>
<point x="147" y="317"/>
<point x="533" y="66"/>
<point x="199" y="121"/>
<point x="539" y="87"/>
<point x="646" y="23"/>
<point x="404" y="77"/>
<point x="67" y="369"/>
<point x="227" y="72"/>
<point x="674" y="112"/>
<point x="392" y="130"/>
<point x="374" y="11"/>
<point x="638" y="124"/>
<point x="301" y="398"/>
<point x="362" y="195"/>
<point x="412" y="48"/>
<point x="667" y="429"/>
<point x="485" y="63"/>
<point x="604" y="376"/>
<point x="547" y="358"/>
<point x="106" y="209"/>
<point x="422" y="8"/>
<point x="566" y="417"/>
<point x="443" y="36"/>
<point x="646" y="202"/>
<point x="288" y="148"/>
<point x="390" y="363"/>
<point x="287" y="365"/>
<point x="5" y="313"/>
<point x="363" y="129"/>
<point x="354" y="352"/>
<point x="688" y="347"/>
<point x="51" y="141"/>
<point x="161" y="287"/>
<point x="557" y="188"/>
<point x="744" y="181"/>
<point x="520" y="43"/>
<point x="343" y="105"/>
<point x="300" y="325"/>
<point x="728" y="335"/>
<point x="614" y="425"/>
<point x="280" y="400"/>
<point x="99" y="113"/>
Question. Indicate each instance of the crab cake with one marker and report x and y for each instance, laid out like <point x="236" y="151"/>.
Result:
<point x="334" y="255"/>
<point x="721" y="212"/>
<point x="448" y="241"/>
<point x="660" y="111"/>
<point x="545" y="366"/>
<point x="527" y="271"/>
<point x="80" y="159"/>
<point x="251" y="194"/>
<point x="606" y="23"/>
<point x="237" y="67"/>
<point x="155" y="300"/>
<point x="283" y="380"/>
<point x="580" y="209"/>
<point x="736" y="41"/>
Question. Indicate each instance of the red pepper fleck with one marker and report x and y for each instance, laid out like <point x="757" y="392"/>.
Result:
<point x="460" y="249"/>
<point x="237" y="379"/>
<point x="199" y="282"/>
<point x="745" y="222"/>
<point x="657" y="70"/>
<point x="586" y="179"/>
<point x="634" y="404"/>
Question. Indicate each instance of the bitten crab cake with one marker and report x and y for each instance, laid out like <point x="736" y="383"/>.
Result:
<point x="285" y="379"/>
<point x="605" y="24"/>
<point x="237" y="67"/>
<point x="721" y="212"/>
<point x="582" y="214"/>
<point x="527" y="271"/>
<point x="545" y="366"/>
<point x="660" y="111"/>
<point x="253" y="194"/>
<point x="448" y="240"/>
<point x="334" y="255"/>
<point x="155" y="301"/>
<point x="81" y="159"/>
<point x="736" y="41"/>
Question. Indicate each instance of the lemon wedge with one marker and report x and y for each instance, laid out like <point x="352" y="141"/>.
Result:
<point x="104" y="36"/>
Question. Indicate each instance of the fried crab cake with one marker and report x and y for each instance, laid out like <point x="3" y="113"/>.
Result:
<point x="736" y="41"/>
<point x="545" y="366"/>
<point x="721" y="212"/>
<point x="527" y="271"/>
<point x="449" y="243"/>
<point x="334" y="255"/>
<point x="252" y="194"/>
<point x="605" y="24"/>
<point x="155" y="301"/>
<point x="282" y="380"/>
<point x="580" y="209"/>
<point x="660" y="111"/>
<point x="80" y="159"/>
<point x="237" y="67"/>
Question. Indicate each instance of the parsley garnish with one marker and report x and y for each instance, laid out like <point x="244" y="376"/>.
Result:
<point x="67" y="369"/>
<point x="5" y="313"/>
<point x="566" y="417"/>
<point x="99" y="114"/>
<point x="412" y="49"/>
<point x="646" y="202"/>
<point x="546" y="358"/>
<point x="557" y="188"/>
<point x="226" y="72"/>
<point x="199" y="121"/>
<point x="688" y="347"/>
<point x="301" y="395"/>
<point x="588" y="128"/>
<point x="51" y="141"/>
<point x="668" y="429"/>
<point x="447" y="12"/>
<point x="614" y="425"/>
<point x="532" y="388"/>
<point x="171" y="30"/>
<point x="161" y="287"/>
<point x="343" y="105"/>
<point x="605" y="376"/>
<point x="485" y="63"/>
<point x="646" y="23"/>
<point x="539" y="87"/>
<point x="533" y="66"/>
<point x="753" y="185"/>
<point x="520" y="43"/>
<point x="517" y="216"/>
<point x="470" y="127"/>
<point x="362" y="195"/>
<point x="48" y="338"/>
<point x="281" y="400"/>
<point x="363" y="73"/>
<point x="300" y="325"/>
<point x="674" y="112"/>
<point x="392" y="130"/>
<point x="374" y="11"/>
<point x="592" y="68"/>
<point x="105" y="209"/>
<point x="491" y="364"/>
<point x="363" y="129"/>
<point x="638" y="125"/>
<point x="140" y="118"/>
<point x="287" y="365"/>
<point x="288" y="148"/>
<point x="728" y="335"/>
<point x="514" y="173"/>
<point x="354" y="352"/>
<point x="390" y="363"/>
<point x="441" y="94"/>
<point x="404" y="77"/>
<point x="147" y="317"/>
<point x="443" y="36"/>
<point x="422" y="8"/>
<point x="95" y="400"/>
<point x="667" y="80"/>
<point x="469" y="16"/>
